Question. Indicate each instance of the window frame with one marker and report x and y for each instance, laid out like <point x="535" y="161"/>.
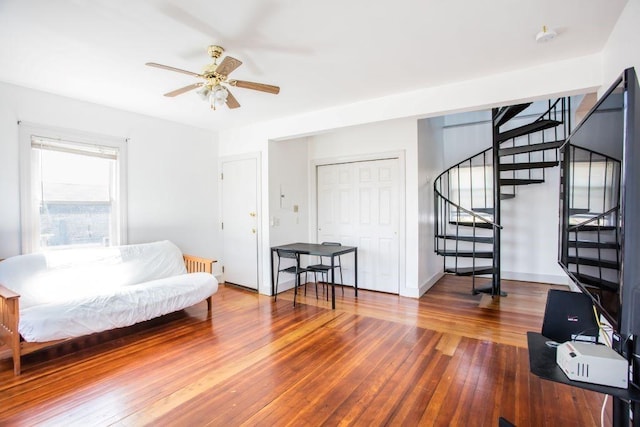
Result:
<point x="29" y="217"/>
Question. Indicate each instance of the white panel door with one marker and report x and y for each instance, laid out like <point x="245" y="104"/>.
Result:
<point x="239" y="222"/>
<point x="358" y="204"/>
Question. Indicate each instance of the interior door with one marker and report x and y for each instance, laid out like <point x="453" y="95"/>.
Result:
<point x="358" y="204"/>
<point x="240" y="221"/>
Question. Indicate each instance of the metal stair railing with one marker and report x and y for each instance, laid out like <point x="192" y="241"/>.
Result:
<point x="597" y="224"/>
<point x="468" y="193"/>
<point x="447" y="186"/>
<point x="592" y="162"/>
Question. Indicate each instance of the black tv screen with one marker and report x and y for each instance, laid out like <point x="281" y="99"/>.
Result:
<point x="598" y="205"/>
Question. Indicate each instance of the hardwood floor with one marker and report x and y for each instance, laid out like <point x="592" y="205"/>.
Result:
<point x="449" y="358"/>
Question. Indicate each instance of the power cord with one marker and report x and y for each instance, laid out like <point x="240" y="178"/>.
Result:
<point x="604" y="405"/>
<point x="602" y="332"/>
<point x="601" y="328"/>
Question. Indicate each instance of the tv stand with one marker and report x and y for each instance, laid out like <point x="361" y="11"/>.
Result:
<point x="542" y="362"/>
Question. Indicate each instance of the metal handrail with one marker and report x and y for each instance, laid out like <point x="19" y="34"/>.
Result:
<point x="551" y="108"/>
<point x="446" y="171"/>
<point x="576" y="227"/>
<point x="474" y="214"/>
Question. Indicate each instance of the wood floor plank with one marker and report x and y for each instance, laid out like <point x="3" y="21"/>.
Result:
<point x="328" y="381"/>
<point x="448" y="344"/>
<point x="434" y="408"/>
<point x="396" y="382"/>
<point x="448" y="358"/>
<point x="163" y="406"/>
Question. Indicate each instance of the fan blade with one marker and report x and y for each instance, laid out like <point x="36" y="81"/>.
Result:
<point x="178" y="70"/>
<point x="183" y="89"/>
<point x="232" y="102"/>
<point x="227" y="65"/>
<point x="255" y="86"/>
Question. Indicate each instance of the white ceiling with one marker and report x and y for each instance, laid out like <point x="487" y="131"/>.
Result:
<point x="321" y="53"/>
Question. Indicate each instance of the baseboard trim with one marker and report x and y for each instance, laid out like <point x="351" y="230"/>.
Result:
<point x="424" y="287"/>
<point x="534" y="277"/>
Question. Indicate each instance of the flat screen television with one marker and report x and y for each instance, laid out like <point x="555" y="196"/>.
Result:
<point x="599" y="238"/>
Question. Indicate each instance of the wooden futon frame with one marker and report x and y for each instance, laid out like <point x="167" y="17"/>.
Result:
<point x="12" y="345"/>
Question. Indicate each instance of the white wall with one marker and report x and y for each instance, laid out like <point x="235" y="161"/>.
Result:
<point x="172" y="169"/>
<point x="288" y="176"/>
<point x="289" y="215"/>
<point x="430" y="165"/>
<point x="621" y="50"/>
<point x="469" y="132"/>
<point x="529" y="239"/>
<point x="578" y="75"/>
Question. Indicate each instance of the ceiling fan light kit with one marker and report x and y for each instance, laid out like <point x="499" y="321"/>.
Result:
<point x="214" y="89"/>
<point x="218" y="96"/>
<point x="204" y="92"/>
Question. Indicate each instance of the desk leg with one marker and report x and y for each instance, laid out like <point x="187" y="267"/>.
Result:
<point x="273" y="279"/>
<point x="333" y="284"/>
<point x="355" y="257"/>
<point x="297" y="281"/>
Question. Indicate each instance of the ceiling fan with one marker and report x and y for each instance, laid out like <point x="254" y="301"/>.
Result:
<point x="215" y="86"/>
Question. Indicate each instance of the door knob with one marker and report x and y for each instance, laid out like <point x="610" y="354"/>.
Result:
<point x="252" y="214"/>
<point x="253" y="230"/>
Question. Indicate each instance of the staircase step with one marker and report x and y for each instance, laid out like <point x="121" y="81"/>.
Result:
<point x="484" y="210"/>
<point x="527" y="129"/>
<point x="592" y="245"/>
<point x="506" y="196"/>
<point x="597" y="282"/>
<point x="469" y="271"/>
<point x="595" y="228"/>
<point x="478" y="224"/>
<point x="467" y="254"/>
<point x="530" y="148"/>
<point x="578" y="211"/>
<point x="527" y="165"/>
<point x="477" y="239"/>
<point x="509" y="181"/>
<point x="507" y="113"/>
<point x="594" y="262"/>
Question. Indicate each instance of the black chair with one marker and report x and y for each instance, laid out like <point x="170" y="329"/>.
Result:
<point x="294" y="269"/>
<point x="325" y="268"/>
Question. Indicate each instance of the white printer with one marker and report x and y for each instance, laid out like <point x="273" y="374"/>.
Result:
<point x="592" y="363"/>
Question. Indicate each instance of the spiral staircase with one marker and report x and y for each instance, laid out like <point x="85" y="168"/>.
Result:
<point x="468" y="195"/>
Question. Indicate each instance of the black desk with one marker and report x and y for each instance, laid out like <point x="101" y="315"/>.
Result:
<point x="542" y="362"/>
<point x="316" y="249"/>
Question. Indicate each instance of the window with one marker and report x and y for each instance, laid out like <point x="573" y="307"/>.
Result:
<point x="72" y="189"/>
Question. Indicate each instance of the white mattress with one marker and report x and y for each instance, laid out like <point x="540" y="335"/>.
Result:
<point x="113" y="309"/>
<point x="70" y="293"/>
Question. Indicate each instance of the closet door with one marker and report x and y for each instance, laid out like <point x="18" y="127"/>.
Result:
<point x="358" y="204"/>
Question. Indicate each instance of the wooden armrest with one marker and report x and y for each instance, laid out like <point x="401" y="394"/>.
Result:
<point x="197" y="264"/>
<point x="7" y="293"/>
<point x="9" y="320"/>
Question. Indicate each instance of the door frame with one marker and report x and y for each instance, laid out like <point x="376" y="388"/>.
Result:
<point x="313" y="200"/>
<point x="257" y="156"/>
